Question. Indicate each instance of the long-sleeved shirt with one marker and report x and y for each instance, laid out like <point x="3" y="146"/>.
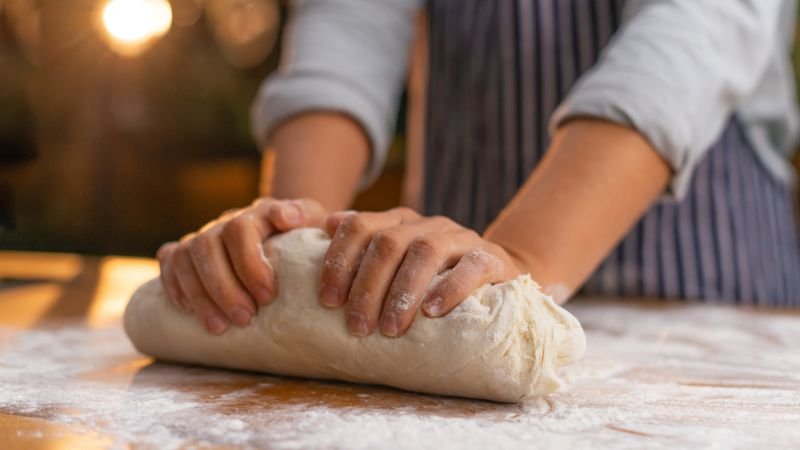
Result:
<point x="674" y="71"/>
<point x="707" y="82"/>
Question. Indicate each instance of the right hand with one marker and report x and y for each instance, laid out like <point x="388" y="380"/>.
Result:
<point x="220" y="273"/>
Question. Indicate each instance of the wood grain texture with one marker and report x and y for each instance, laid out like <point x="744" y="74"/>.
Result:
<point x="656" y="374"/>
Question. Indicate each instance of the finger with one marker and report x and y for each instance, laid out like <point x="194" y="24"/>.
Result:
<point x="343" y="257"/>
<point x="228" y="213"/>
<point x="206" y="311"/>
<point x="476" y="268"/>
<point x="219" y="280"/>
<point x="381" y="261"/>
<point x="242" y="237"/>
<point x="290" y="214"/>
<point x="168" y="279"/>
<point x="335" y="219"/>
<point x="260" y="210"/>
<point x="427" y="256"/>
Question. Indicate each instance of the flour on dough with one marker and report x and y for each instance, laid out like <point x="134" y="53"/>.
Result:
<point x="503" y="343"/>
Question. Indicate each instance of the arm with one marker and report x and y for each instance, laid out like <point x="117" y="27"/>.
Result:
<point x="317" y="155"/>
<point x="659" y="96"/>
<point x="332" y="102"/>
<point x="346" y="58"/>
<point x="594" y="183"/>
<point x="675" y="71"/>
<point x="669" y="80"/>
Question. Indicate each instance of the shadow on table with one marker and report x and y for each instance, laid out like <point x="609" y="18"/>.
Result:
<point x="230" y="389"/>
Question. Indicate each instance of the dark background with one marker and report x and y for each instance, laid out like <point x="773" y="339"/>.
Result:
<point x="102" y="153"/>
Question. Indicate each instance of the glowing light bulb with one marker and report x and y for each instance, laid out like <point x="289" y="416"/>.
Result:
<point x="133" y="25"/>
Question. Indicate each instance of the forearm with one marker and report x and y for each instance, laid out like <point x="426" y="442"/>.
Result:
<point x="319" y="155"/>
<point x="594" y="183"/>
<point x="339" y="55"/>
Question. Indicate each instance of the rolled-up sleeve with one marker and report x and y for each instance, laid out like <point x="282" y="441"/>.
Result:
<point x="675" y="71"/>
<point x="347" y="56"/>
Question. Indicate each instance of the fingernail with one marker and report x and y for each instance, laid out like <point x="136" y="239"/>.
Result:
<point x="390" y="325"/>
<point x="291" y="213"/>
<point x="216" y="324"/>
<point x="433" y="307"/>
<point x="241" y="316"/>
<point x="264" y="296"/>
<point x="330" y="296"/>
<point x="357" y="324"/>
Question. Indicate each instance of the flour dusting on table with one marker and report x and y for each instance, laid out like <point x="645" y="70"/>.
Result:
<point x="671" y="377"/>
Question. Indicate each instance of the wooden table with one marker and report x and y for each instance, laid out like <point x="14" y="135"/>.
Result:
<point x="656" y="375"/>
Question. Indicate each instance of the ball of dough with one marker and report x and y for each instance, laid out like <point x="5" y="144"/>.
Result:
<point x="503" y="343"/>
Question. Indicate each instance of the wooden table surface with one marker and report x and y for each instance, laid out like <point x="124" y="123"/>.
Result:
<point x="656" y="375"/>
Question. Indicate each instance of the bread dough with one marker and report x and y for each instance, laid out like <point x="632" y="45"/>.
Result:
<point x="503" y="343"/>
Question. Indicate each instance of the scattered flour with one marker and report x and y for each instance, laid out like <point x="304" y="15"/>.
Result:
<point x="672" y="377"/>
<point x="404" y="302"/>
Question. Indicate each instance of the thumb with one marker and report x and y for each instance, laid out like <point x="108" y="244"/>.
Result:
<point x="298" y="213"/>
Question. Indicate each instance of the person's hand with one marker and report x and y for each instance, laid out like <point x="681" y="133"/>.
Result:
<point x="380" y="265"/>
<point x="220" y="273"/>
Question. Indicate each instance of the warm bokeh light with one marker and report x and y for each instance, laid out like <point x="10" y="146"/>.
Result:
<point x="133" y="25"/>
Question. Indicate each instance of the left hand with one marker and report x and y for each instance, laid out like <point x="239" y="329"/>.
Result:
<point x="380" y="265"/>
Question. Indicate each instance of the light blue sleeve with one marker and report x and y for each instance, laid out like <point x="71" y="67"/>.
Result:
<point x="348" y="56"/>
<point x="675" y="71"/>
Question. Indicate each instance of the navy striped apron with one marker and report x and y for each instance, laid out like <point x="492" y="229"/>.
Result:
<point x="498" y="70"/>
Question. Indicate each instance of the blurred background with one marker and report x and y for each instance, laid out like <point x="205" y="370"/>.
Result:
<point x="125" y="123"/>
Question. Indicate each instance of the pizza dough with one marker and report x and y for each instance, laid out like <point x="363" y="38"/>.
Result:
<point x="503" y="343"/>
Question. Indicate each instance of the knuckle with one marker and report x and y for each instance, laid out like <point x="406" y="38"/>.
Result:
<point x="236" y="226"/>
<point x="482" y="258"/>
<point x="276" y="206"/>
<point x="354" y="224"/>
<point x="333" y="219"/>
<point x="165" y="251"/>
<point x="424" y="247"/>
<point x="187" y="237"/>
<point x="385" y="244"/>
<point x="181" y="255"/>
<point x="477" y="256"/>
<point x="200" y="245"/>
<point x="442" y="221"/>
<point x="214" y="224"/>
